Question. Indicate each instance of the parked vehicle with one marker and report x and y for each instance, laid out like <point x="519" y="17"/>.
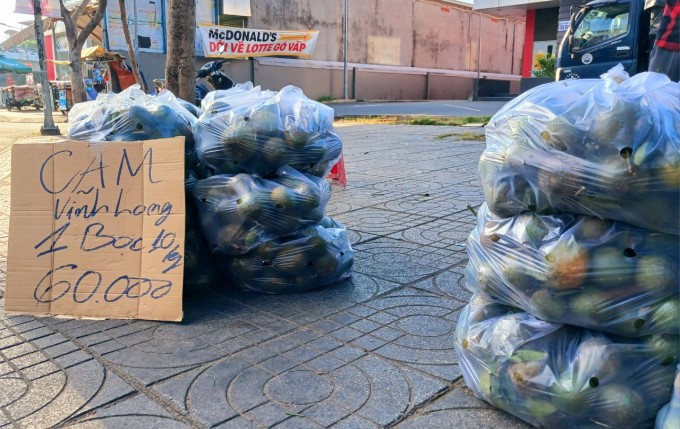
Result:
<point x="214" y="76"/>
<point x="604" y="33"/>
<point x="62" y="96"/>
<point x="159" y="85"/>
<point x="18" y="96"/>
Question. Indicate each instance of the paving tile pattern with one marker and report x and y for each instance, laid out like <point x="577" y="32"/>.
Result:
<point x="374" y="351"/>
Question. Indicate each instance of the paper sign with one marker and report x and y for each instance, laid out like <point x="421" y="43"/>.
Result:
<point x="149" y="31"/>
<point x="246" y="42"/>
<point x="97" y="229"/>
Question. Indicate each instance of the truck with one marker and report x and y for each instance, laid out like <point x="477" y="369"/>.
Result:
<point x="604" y="33"/>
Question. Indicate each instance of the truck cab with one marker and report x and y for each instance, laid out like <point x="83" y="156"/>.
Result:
<point x="602" y="34"/>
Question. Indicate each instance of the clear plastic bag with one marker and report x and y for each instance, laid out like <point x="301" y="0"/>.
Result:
<point x="559" y="376"/>
<point x="590" y="146"/>
<point x="200" y="269"/>
<point x="239" y="212"/>
<point x="247" y="130"/>
<point x="669" y="415"/>
<point x="133" y="115"/>
<point x="308" y="259"/>
<point x="223" y="100"/>
<point x="192" y="108"/>
<point x="579" y="270"/>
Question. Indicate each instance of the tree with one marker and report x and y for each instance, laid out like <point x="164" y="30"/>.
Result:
<point x="180" y="65"/>
<point x="131" y="51"/>
<point x="30" y="44"/>
<point x="76" y="40"/>
<point x="544" y="65"/>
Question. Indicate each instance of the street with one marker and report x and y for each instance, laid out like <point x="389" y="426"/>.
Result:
<point x="417" y="108"/>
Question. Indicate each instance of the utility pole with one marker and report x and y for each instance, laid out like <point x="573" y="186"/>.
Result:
<point x="48" y="127"/>
<point x="136" y="29"/>
<point x="344" y="70"/>
<point x="479" y="58"/>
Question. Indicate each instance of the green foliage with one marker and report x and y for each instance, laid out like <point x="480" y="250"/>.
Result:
<point x="408" y="120"/>
<point x="423" y="121"/>
<point x="544" y="65"/>
<point x="30" y="45"/>
<point x="467" y="136"/>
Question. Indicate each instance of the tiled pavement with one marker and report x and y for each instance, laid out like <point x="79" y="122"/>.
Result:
<point x="374" y="351"/>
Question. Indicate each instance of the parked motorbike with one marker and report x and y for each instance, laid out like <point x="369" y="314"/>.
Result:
<point x="159" y="85"/>
<point x="212" y="74"/>
<point x="210" y="77"/>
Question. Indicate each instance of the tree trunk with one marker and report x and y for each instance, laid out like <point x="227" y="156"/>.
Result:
<point x="180" y="66"/>
<point x="131" y="51"/>
<point x="76" y="41"/>
<point x="77" y="84"/>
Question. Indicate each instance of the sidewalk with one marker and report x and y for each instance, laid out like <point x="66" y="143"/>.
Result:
<point x="30" y="115"/>
<point x="374" y="351"/>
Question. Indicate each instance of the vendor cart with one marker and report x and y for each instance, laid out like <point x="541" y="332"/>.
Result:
<point x="18" y="96"/>
<point x="62" y="96"/>
<point x="96" y="73"/>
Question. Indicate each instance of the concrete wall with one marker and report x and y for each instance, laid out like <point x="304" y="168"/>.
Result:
<point x="443" y="39"/>
<point x="402" y="33"/>
<point x="427" y="34"/>
<point x="364" y="82"/>
<point x="376" y="82"/>
<point x="315" y="83"/>
<point x="437" y="37"/>
<point x="389" y="86"/>
<point x="450" y="87"/>
<point x="501" y="46"/>
<point x="323" y="15"/>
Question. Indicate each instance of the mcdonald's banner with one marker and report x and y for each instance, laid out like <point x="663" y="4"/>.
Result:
<point x="232" y="42"/>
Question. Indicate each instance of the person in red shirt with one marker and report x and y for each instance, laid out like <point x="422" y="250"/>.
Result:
<point x="665" y="57"/>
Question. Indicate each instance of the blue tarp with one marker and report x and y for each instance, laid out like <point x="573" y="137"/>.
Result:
<point x="9" y="65"/>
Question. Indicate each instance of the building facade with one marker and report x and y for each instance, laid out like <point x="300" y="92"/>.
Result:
<point x="397" y="49"/>
<point x="547" y="21"/>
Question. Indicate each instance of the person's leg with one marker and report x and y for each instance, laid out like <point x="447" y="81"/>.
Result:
<point x="674" y="69"/>
<point x="666" y="62"/>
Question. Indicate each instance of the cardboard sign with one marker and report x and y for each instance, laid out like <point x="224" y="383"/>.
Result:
<point x="233" y="42"/>
<point x="97" y="229"/>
